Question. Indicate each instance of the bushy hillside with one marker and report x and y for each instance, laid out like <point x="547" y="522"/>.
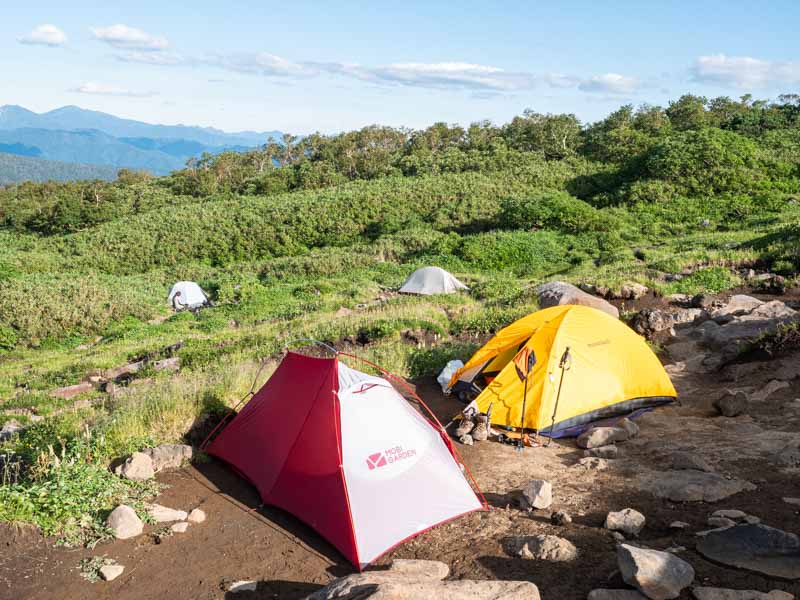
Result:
<point x="16" y="169"/>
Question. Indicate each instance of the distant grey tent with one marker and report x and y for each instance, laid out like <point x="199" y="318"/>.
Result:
<point x="431" y="280"/>
<point x="186" y="294"/>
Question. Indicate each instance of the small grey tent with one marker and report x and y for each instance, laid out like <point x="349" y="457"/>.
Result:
<point x="431" y="280"/>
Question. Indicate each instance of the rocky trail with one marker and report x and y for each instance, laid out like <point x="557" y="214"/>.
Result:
<point x="704" y="494"/>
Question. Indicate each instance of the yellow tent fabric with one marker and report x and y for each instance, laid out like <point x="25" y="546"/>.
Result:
<point x="611" y="370"/>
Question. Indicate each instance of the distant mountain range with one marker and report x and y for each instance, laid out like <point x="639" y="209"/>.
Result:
<point x="86" y="137"/>
<point x="16" y="169"/>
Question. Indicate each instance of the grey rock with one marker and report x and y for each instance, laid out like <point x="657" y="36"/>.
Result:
<point x="792" y="501"/>
<point x="537" y="493"/>
<point x="243" y="586"/>
<point x="769" y="389"/>
<point x="629" y="426"/>
<point x="651" y="320"/>
<point x="162" y="514"/>
<point x="610" y="451"/>
<point x="169" y="456"/>
<point x="731" y="404"/>
<point x="168" y="364"/>
<point x="618" y="536"/>
<point x="179" y="527"/>
<point x="789" y="456"/>
<point x="556" y="293"/>
<point x="196" y="516"/>
<point x="137" y="467"/>
<point x="70" y="391"/>
<point x="752" y="519"/>
<point x="658" y="575"/>
<point x="602" y="594"/>
<point x="633" y="291"/>
<point x="682" y="461"/>
<point x="10" y="429"/>
<point x="692" y="486"/>
<point x="721" y="522"/>
<point x="759" y="548"/>
<point x="679" y="525"/>
<point x="424" y="569"/>
<point x="592" y="463"/>
<point x="111" y="572"/>
<point x="543" y="547"/>
<point x="601" y="436"/>
<point x="560" y="517"/>
<point x="729" y="514"/>
<point x="124" y="522"/>
<point x="627" y="521"/>
<point x="712" y="593"/>
<point x="739" y="304"/>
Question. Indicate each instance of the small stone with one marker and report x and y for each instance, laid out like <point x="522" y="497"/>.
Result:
<point x="124" y="522"/>
<point x="168" y="364"/>
<point x="137" y="467"/>
<point x="689" y="461"/>
<point x="466" y="439"/>
<point x="65" y="393"/>
<point x="169" y="456"/>
<point x="196" y="516"/>
<point x="111" y="572"/>
<point x="629" y="426"/>
<point x="560" y="517"/>
<point x="711" y="593"/>
<point x="731" y="404"/>
<point x="601" y="436"/>
<point x="607" y="452"/>
<point x="633" y="291"/>
<point x="792" y="501"/>
<point x="705" y="532"/>
<point x="720" y="522"/>
<point x="162" y="514"/>
<point x="628" y="521"/>
<point x="423" y="569"/>
<point x="544" y="547"/>
<point x="179" y="527"/>
<point x="592" y="463"/>
<point x="675" y="549"/>
<point x="658" y="575"/>
<point x="602" y="594"/>
<point x="729" y="514"/>
<point x="679" y="525"/>
<point x="618" y="536"/>
<point x="752" y="520"/>
<point x="537" y="493"/>
<point x="243" y="586"/>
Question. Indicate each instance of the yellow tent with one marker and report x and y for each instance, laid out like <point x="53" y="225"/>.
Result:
<point x="588" y="366"/>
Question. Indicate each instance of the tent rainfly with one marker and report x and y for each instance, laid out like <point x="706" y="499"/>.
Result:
<point x="428" y="281"/>
<point x="191" y="295"/>
<point x="344" y="452"/>
<point x="579" y="364"/>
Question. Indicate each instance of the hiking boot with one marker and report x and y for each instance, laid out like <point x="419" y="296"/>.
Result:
<point x="466" y="425"/>
<point x="481" y="431"/>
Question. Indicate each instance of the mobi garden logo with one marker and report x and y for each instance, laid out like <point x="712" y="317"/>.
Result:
<point x="388" y="457"/>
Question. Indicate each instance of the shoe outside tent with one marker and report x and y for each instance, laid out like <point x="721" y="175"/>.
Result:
<point x="191" y="295"/>
<point x="428" y="281"/>
<point x="347" y="454"/>
<point x="577" y="365"/>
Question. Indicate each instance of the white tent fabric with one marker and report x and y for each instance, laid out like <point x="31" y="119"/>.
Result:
<point x="191" y="296"/>
<point x="401" y="478"/>
<point x="431" y="280"/>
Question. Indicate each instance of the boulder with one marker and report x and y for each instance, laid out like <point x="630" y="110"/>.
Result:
<point x="70" y="391"/>
<point x="651" y="320"/>
<point x="601" y="436"/>
<point x="610" y="451"/>
<point x="633" y="291"/>
<point x="137" y="467"/>
<point x="453" y="590"/>
<point x="537" y="493"/>
<point x="556" y="293"/>
<point x="731" y="404"/>
<point x="758" y="548"/>
<point x="543" y="547"/>
<point x="111" y="572"/>
<point x="162" y="514"/>
<point x="124" y="522"/>
<point x="712" y="593"/>
<point x="168" y="364"/>
<point x="602" y="594"/>
<point x="196" y="516"/>
<point x="168" y="456"/>
<point x="739" y="304"/>
<point x="682" y="461"/>
<point x="424" y="569"/>
<point x="124" y="371"/>
<point x="627" y="521"/>
<point x="692" y="486"/>
<point x="658" y="575"/>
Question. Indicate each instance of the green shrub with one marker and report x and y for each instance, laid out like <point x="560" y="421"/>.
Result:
<point x="524" y="253"/>
<point x="553" y="210"/>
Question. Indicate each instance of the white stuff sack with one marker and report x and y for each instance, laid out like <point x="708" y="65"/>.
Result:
<point x="447" y="374"/>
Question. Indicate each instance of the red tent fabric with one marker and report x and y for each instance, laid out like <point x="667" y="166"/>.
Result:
<point x="287" y="441"/>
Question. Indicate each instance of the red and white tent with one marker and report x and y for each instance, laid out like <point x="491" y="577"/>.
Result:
<point x="347" y="454"/>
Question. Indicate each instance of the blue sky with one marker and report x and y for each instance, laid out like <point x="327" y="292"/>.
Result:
<point x="307" y="66"/>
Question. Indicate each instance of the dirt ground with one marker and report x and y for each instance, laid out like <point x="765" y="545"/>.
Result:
<point x="240" y="541"/>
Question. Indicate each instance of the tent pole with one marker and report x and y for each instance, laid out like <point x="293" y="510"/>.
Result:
<point x="565" y="365"/>
<point x="521" y="442"/>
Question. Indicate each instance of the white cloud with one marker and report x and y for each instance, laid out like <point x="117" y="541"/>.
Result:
<point x="610" y="83"/>
<point x="744" y="71"/>
<point x="261" y="63"/>
<point x="162" y="59"/>
<point x="100" y="89"/>
<point x="129" y="38"/>
<point x="44" y="35"/>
